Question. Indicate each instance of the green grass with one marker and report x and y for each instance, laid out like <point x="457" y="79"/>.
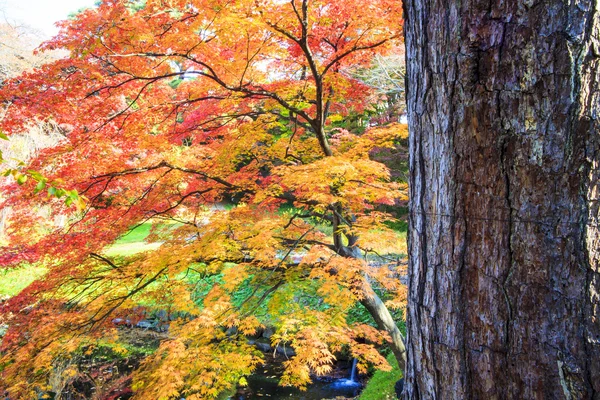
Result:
<point x="399" y="226"/>
<point x="12" y="281"/>
<point x="137" y="235"/>
<point x="132" y="242"/>
<point x="381" y="385"/>
<point x="128" y="249"/>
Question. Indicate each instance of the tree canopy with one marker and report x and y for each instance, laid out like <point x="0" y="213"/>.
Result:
<point x="225" y="121"/>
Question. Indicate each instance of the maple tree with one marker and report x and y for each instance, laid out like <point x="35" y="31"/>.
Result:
<point x="173" y="108"/>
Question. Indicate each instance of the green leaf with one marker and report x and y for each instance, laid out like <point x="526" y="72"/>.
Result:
<point x="3" y="136"/>
<point x="35" y="175"/>
<point x="303" y="105"/>
<point x="174" y="83"/>
<point x="21" y="179"/>
<point x="51" y="191"/>
<point x="40" y="186"/>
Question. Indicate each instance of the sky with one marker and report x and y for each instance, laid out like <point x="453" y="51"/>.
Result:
<point x="40" y="14"/>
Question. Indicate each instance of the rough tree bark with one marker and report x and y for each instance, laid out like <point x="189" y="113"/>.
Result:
<point x="504" y="277"/>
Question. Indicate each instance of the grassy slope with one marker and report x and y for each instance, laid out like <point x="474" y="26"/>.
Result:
<point x="133" y="242"/>
<point x="127" y="249"/>
<point x="381" y="385"/>
<point x="12" y="281"/>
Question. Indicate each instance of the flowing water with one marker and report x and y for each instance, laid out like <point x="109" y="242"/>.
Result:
<point x="263" y="385"/>
<point x="349" y="384"/>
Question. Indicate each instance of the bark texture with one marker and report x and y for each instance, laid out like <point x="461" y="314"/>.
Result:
<point x="504" y="277"/>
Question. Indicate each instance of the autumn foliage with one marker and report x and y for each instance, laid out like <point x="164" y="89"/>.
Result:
<point x="222" y="122"/>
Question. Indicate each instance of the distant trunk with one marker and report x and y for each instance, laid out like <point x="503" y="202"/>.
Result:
<point x="378" y="310"/>
<point x="504" y="272"/>
<point x="386" y="323"/>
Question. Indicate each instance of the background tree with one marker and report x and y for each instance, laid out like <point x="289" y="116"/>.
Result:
<point x="17" y="45"/>
<point x="16" y="51"/>
<point x="172" y="110"/>
<point x="504" y="238"/>
<point x="387" y="75"/>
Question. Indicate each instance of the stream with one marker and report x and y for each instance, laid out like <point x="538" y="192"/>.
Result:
<point x="263" y="384"/>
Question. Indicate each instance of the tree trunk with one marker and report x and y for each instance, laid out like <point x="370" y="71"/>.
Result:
<point x="386" y="323"/>
<point x="504" y="272"/>
<point x="377" y="308"/>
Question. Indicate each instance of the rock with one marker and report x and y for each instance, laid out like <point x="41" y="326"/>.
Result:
<point x="286" y="351"/>
<point x="122" y="322"/>
<point x="399" y="387"/>
<point x="162" y="315"/>
<point x="144" y="324"/>
<point x="268" y="332"/>
<point x="231" y="331"/>
<point x="264" y="347"/>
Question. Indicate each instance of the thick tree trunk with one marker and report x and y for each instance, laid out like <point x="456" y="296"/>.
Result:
<point x="504" y="275"/>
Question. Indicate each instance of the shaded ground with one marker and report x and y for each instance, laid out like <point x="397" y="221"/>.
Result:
<point x="264" y="383"/>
